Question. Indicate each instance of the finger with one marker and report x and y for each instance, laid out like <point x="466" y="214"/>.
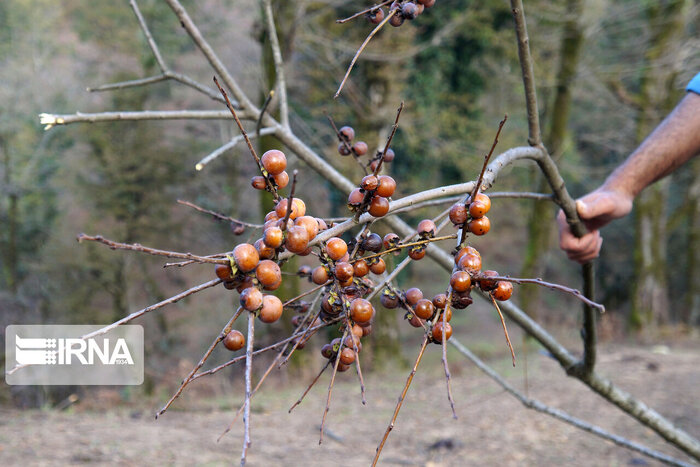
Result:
<point x="571" y="244"/>
<point x="589" y="254"/>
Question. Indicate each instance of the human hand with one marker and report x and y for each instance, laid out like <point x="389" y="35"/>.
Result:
<point x="596" y="209"/>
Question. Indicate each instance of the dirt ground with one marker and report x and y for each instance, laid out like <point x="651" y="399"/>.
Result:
<point x="492" y="429"/>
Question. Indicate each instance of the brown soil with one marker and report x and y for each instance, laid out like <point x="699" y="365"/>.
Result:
<point x="492" y="429"/>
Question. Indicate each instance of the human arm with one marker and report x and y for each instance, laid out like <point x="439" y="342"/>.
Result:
<point x="671" y="144"/>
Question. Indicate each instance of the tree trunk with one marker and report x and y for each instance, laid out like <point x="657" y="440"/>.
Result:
<point x="650" y="297"/>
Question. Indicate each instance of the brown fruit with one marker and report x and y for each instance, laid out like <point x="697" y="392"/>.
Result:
<point x="268" y="273"/>
<point x="347" y="132"/>
<point x="356" y="330"/>
<point x="336" y="248"/>
<point x="273" y="237"/>
<point x="413" y="295"/>
<point x="342" y="368"/>
<point x="298" y="208"/>
<point x="347" y="356"/>
<point x="461" y="300"/>
<point x="309" y="223"/>
<point x="264" y="251"/>
<point x="361" y="268"/>
<point x="479" y="226"/>
<point x="426" y="3"/>
<point x="343" y="271"/>
<point x="271" y="309"/>
<point x="356" y="198"/>
<point x="427" y="228"/>
<point x="387" y="186"/>
<point x="274" y="161"/>
<point x="396" y="20"/>
<point x="366" y="330"/>
<point x="440" y="301"/>
<point x="470" y="263"/>
<point x="417" y="252"/>
<point x="485" y="200"/>
<point x="466" y="250"/>
<point x="297" y="239"/>
<point x="234" y="340"/>
<point x="477" y="210"/>
<point x="503" y="291"/>
<point x="375" y="16"/>
<point x="389" y="300"/>
<point x="251" y="299"/>
<point x="245" y="283"/>
<point x="360" y="148"/>
<point x="258" y="182"/>
<point x="458" y="214"/>
<point x="246" y="257"/>
<point x="424" y="309"/>
<point x="378" y="267"/>
<point x="327" y="351"/>
<point x="409" y="10"/>
<point x="389" y="156"/>
<point x="391" y="240"/>
<point x="224" y="272"/>
<point x="461" y="281"/>
<point x="319" y="275"/>
<point x="321" y="224"/>
<point x="344" y="149"/>
<point x="281" y="179"/>
<point x="373" y="243"/>
<point x="437" y="331"/>
<point x="448" y="314"/>
<point x="415" y="321"/>
<point x="271" y="216"/>
<point x="379" y="206"/>
<point x="486" y="284"/>
<point x="361" y="311"/>
<point x="369" y="183"/>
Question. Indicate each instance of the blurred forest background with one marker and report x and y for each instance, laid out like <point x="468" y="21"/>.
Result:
<point x="608" y="71"/>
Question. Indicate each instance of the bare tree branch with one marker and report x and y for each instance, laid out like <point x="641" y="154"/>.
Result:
<point x="279" y="64"/>
<point x="51" y="120"/>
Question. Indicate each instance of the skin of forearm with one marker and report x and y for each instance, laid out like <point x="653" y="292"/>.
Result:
<point x="671" y="144"/>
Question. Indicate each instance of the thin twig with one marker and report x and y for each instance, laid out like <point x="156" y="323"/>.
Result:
<point x="405" y="245"/>
<point x="549" y="285"/>
<point x="346" y="313"/>
<point x="263" y="109"/>
<point x="278" y="62"/>
<point x="362" y="47"/>
<point x="400" y="402"/>
<point x="217" y="215"/>
<point x="260" y="351"/>
<point x="151" y="251"/>
<point x="149" y="37"/>
<point x="391" y="137"/>
<point x="225" y="330"/>
<point x="349" y="18"/>
<point x="505" y="329"/>
<point x="330" y="385"/>
<point x="271" y="188"/>
<point x="148" y="309"/>
<point x="448" y="376"/>
<point x="129" y="83"/>
<point x="225" y="147"/>
<point x="310" y="386"/>
<point x="477" y="185"/>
